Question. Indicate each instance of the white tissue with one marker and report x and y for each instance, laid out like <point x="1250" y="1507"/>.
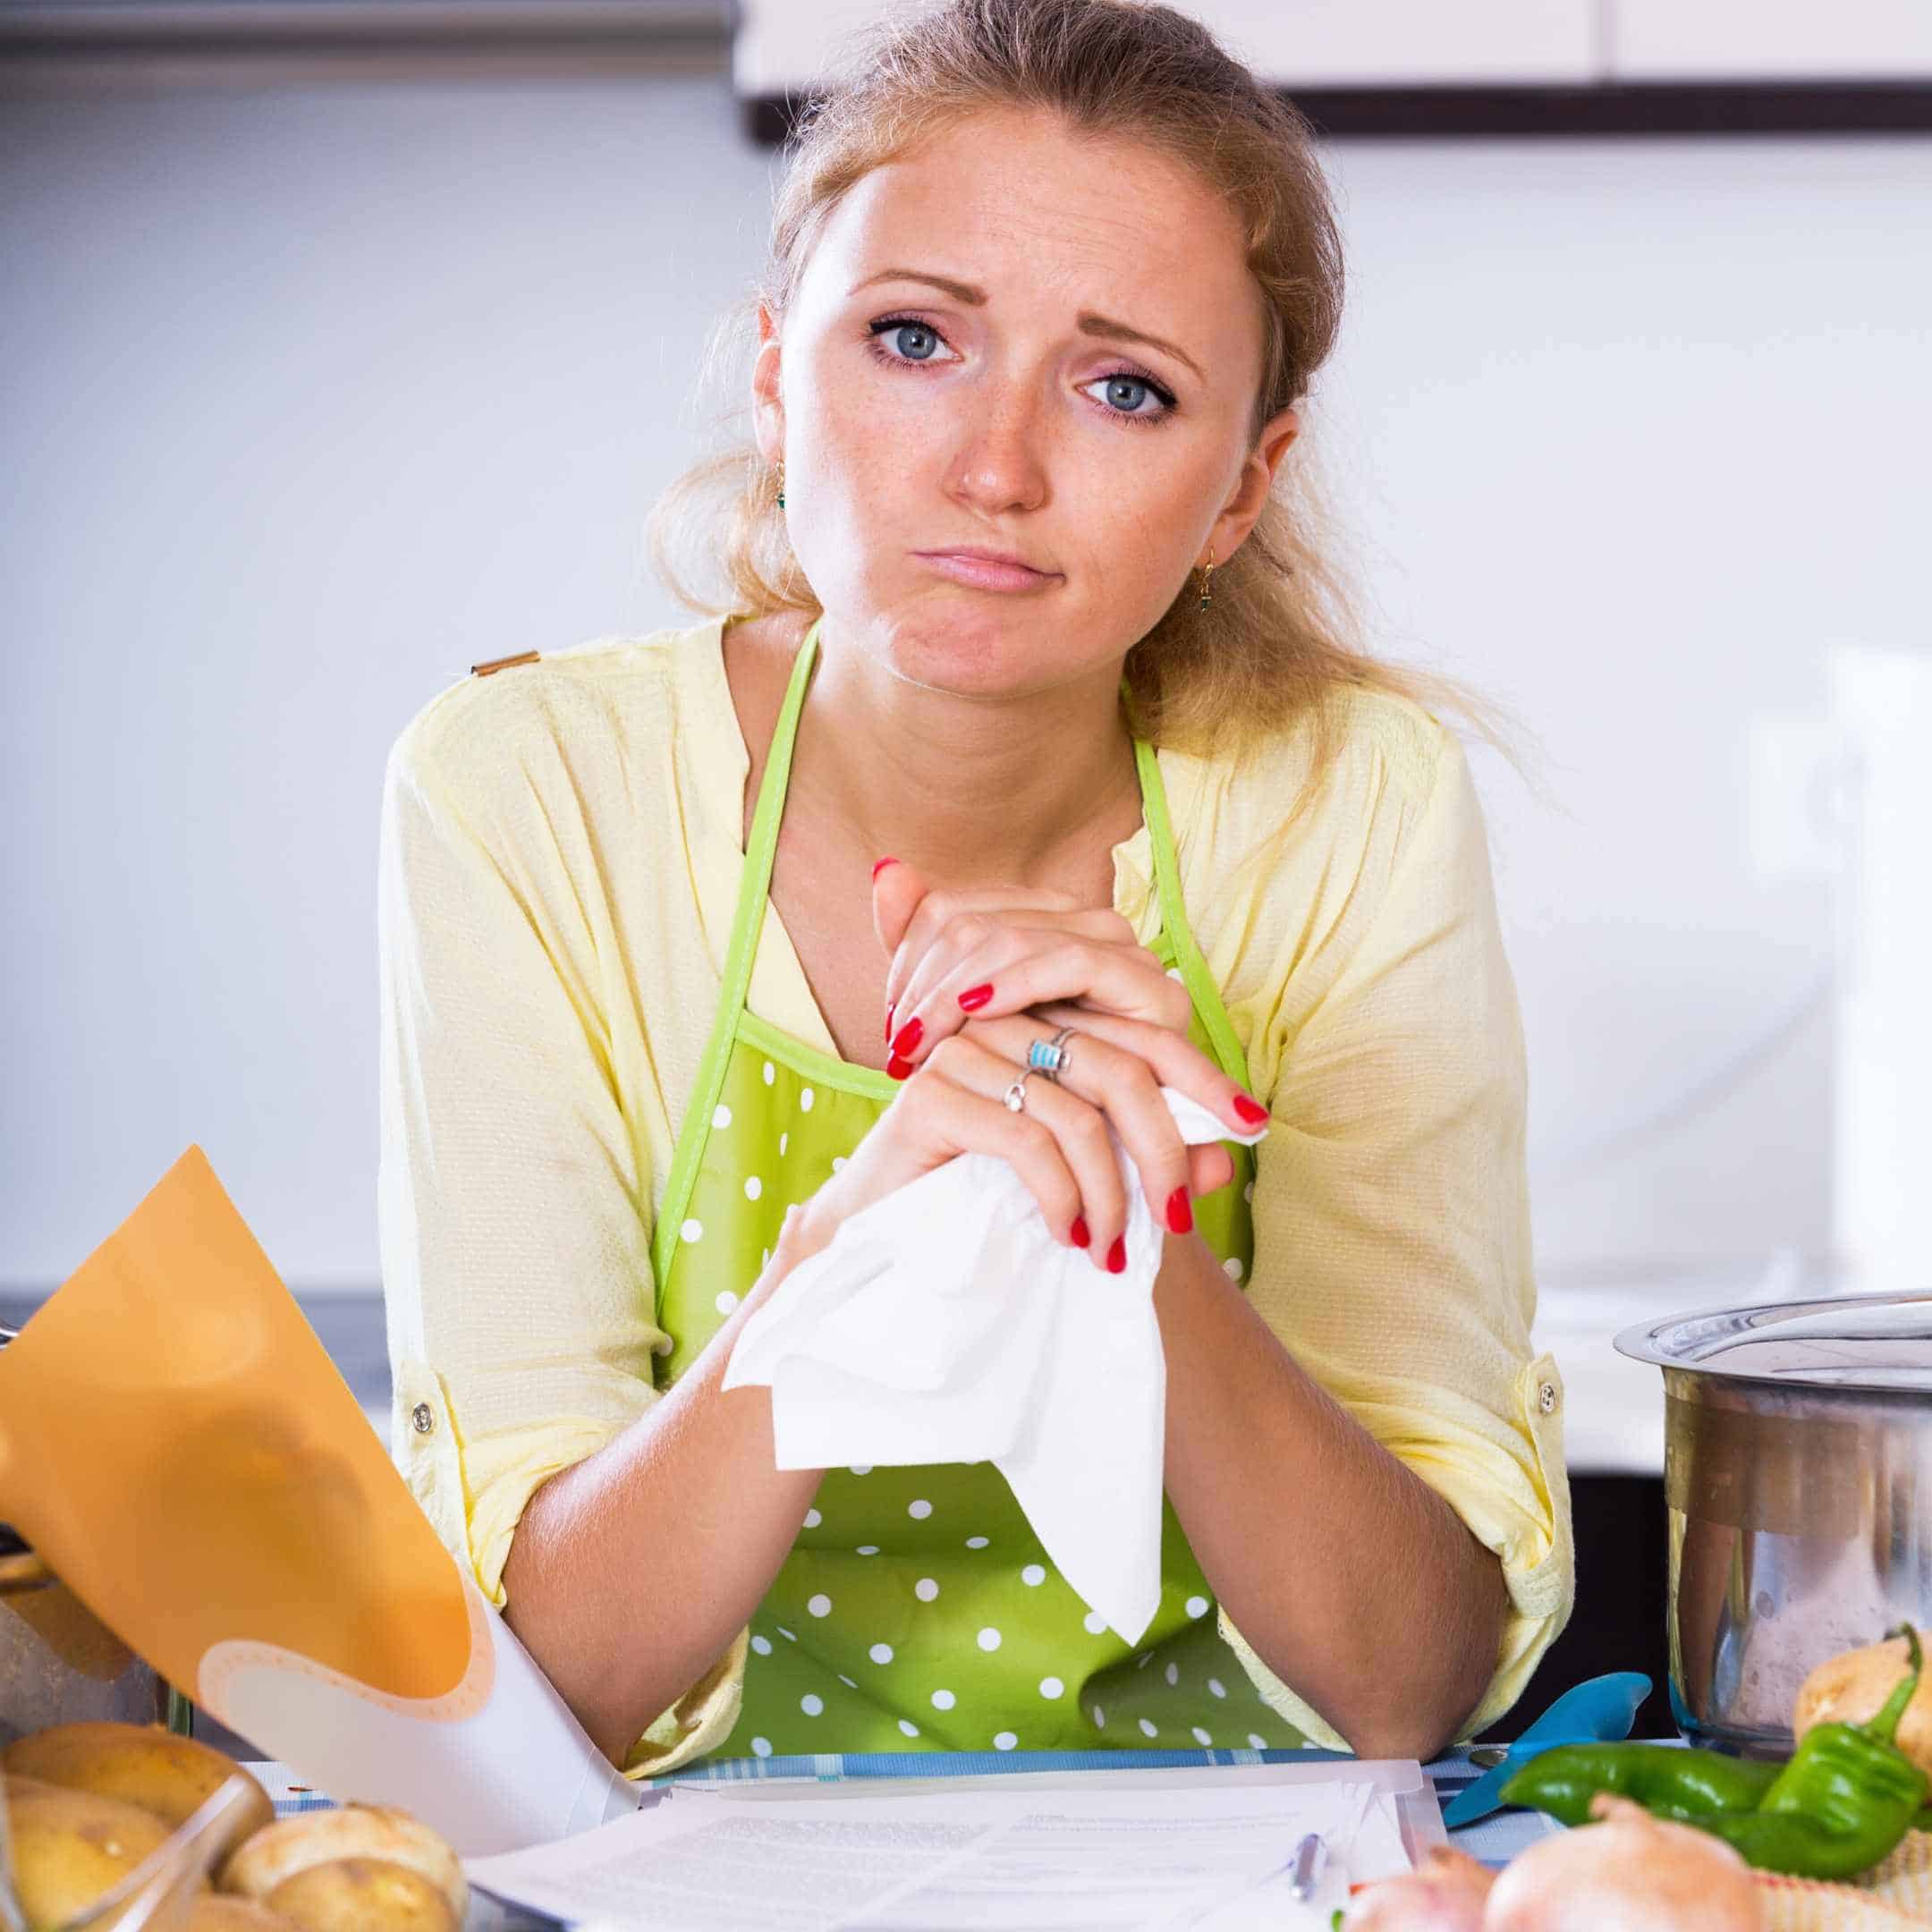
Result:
<point x="944" y="1322"/>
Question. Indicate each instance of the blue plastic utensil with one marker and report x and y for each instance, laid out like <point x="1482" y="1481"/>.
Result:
<point x="1597" y="1711"/>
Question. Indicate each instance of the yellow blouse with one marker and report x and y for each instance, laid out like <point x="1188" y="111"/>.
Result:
<point x="559" y="863"/>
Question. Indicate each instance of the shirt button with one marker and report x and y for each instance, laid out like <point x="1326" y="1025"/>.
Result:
<point x="1546" y="1397"/>
<point x="421" y="1417"/>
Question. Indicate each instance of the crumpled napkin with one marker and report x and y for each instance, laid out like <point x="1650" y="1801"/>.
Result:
<point x="945" y="1322"/>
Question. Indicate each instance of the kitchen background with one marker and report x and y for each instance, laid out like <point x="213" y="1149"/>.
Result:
<point x="338" y="359"/>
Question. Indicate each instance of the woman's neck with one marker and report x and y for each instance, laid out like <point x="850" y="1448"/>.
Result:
<point x="1025" y="792"/>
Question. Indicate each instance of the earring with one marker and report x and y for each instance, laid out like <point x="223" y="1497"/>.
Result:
<point x="781" y="483"/>
<point x="1206" y="594"/>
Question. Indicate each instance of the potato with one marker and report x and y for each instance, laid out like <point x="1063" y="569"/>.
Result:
<point x="1852" y="1687"/>
<point x="279" y="1851"/>
<point x="358" y="1895"/>
<point x="212" y="1913"/>
<point x="143" y="1764"/>
<point x="71" y="1846"/>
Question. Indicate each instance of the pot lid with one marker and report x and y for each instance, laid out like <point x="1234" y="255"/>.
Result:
<point x="1848" y="1342"/>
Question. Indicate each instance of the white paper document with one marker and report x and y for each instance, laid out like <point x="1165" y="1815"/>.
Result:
<point x="752" y="1859"/>
<point x="946" y="1323"/>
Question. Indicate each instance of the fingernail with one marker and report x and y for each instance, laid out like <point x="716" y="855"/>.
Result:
<point x="889" y="1011"/>
<point x="881" y="866"/>
<point x="1081" y="1235"/>
<point x="908" y="1037"/>
<point x="975" y="996"/>
<point x="898" y="1068"/>
<point x="1116" y="1255"/>
<point x="1179" y="1216"/>
<point x="1250" y="1109"/>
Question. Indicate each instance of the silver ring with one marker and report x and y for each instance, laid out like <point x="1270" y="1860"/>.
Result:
<point x="1014" y="1097"/>
<point x="1044" y="1056"/>
<point x="1055" y="1046"/>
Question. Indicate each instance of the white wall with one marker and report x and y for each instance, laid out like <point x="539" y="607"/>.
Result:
<point x="313" y="398"/>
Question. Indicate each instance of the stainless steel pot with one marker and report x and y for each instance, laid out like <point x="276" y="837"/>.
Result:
<point x="1797" y="1481"/>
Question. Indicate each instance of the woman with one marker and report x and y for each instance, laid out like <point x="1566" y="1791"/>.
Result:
<point x="695" y="945"/>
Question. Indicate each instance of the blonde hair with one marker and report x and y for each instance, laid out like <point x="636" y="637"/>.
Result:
<point x="1278" y="642"/>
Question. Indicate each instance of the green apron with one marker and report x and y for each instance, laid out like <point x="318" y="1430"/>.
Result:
<point x="917" y="1610"/>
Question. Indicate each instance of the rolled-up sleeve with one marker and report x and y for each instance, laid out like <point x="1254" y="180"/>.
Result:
<point x="514" y="1212"/>
<point x="513" y="1199"/>
<point x="1392" y="1243"/>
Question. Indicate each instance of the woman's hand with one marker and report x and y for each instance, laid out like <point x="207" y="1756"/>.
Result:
<point x="996" y="952"/>
<point x="1058" y="1144"/>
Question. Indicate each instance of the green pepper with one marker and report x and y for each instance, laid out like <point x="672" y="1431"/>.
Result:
<point x="1843" y="1802"/>
<point x="1837" y="1806"/>
<point x="1686" y="1785"/>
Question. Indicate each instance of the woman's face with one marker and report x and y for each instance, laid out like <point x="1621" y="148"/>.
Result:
<point x="998" y="414"/>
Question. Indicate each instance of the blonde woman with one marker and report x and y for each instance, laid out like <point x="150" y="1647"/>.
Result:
<point x="1027" y="715"/>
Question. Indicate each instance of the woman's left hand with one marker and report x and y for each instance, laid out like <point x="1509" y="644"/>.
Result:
<point x="987" y="953"/>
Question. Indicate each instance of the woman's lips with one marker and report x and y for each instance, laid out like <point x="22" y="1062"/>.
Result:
<point x="985" y="575"/>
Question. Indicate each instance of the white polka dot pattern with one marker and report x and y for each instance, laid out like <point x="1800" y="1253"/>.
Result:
<point x="995" y="1577"/>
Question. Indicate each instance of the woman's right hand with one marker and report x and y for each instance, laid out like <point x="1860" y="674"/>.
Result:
<point x="1058" y="1144"/>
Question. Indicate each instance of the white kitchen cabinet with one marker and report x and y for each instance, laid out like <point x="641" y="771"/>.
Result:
<point x="780" y="44"/>
<point x="1794" y="41"/>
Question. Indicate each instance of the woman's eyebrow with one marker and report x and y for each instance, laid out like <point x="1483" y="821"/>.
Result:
<point x="1087" y="321"/>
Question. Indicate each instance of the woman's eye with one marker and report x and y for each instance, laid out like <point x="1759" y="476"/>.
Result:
<point x="1126" y="389"/>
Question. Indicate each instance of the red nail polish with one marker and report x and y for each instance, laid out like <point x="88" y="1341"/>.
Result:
<point x="1179" y="1216"/>
<point x="1080" y="1236"/>
<point x="908" y="1037"/>
<point x="1250" y="1109"/>
<point x="889" y="1011"/>
<point x="1116" y="1255"/>
<point x="881" y="866"/>
<point x="898" y="1068"/>
<point x="976" y="996"/>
